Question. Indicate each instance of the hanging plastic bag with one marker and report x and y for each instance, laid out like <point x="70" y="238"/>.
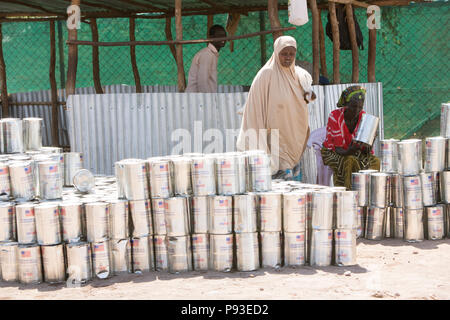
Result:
<point x="297" y="12"/>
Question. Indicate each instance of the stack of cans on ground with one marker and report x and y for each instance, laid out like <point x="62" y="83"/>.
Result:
<point x="407" y="199"/>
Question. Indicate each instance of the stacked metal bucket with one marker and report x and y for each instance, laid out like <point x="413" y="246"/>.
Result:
<point x="408" y="199"/>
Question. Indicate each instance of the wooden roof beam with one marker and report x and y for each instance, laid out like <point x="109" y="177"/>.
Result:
<point x="143" y="5"/>
<point x="33" y="6"/>
<point x="215" y="5"/>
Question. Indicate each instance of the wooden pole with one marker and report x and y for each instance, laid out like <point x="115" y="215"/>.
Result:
<point x="372" y="55"/>
<point x="315" y="41"/>
<point x="272" y="10"/>
<point x="169" y="37"/>
<point x="323" y="56"/>
<point x="355" y="50"/>
<point x="137" y="78"/>
<point x="55" y="105"/>
<point x="209" y="24"/>
<point x="72" y="59"/>
<point x="62" y="75"/>
<point x="95" y="59"/>
<point x="262" y="38"/>
<point x="3" y="86"/>
<point x="336" y="42"/>
<point x="179" y="47"/>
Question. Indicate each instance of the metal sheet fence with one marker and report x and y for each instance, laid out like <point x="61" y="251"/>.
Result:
<point x="110" y="127"/>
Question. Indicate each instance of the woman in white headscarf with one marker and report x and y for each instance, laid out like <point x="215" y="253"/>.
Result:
<point x="277" y="106"/>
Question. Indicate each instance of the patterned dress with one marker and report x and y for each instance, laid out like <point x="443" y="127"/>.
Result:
<point x="339" y="136"/>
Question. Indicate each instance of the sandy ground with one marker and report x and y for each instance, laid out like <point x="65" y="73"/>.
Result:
<point x="390" y="269"/>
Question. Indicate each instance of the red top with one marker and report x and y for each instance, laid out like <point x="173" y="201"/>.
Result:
<point x="338" y="134"/>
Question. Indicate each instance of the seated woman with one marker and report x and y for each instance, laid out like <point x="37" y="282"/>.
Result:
<point x="343" y="155"/>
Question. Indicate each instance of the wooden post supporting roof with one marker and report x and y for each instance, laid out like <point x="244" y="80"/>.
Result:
<point x="354" y="43"/>
<point x="323" y="57"/>
<point x="72" y="59"/>
<point x="137" y="78"/>
<point x="179" y="47"/>
<point x="169" y="37"/>
<point x="209" y="24"/>
<point x="3" y="86"/>
<point x="315" y="40"/>
<point x="95" y="59"/>
<point x="54" y="93"/>
<point x="372" y="55"/>
<point x="272" y="9"/>
<point x="262" y="38"/>
<point x="336" y="42"/>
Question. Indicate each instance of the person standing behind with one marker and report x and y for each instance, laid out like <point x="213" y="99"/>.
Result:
<point x="203" y="71"/>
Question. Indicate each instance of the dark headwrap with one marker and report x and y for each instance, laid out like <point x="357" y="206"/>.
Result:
<point x="351" y="93"/>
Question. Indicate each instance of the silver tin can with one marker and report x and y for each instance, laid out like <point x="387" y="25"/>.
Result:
<point x="367" y="129"/>
<point x="73" y="162"/>
<point x="119" y="173"/>
<point x="389" y="223"/>
<point x="180" y="254"/>
<point x="79" y="262"/>
<point x="26" y="223"/>
<point x="160" y="178"/>
<point x="200" y="214"/>
<point x="177" y="216"/>
<point x="361" y="184"/>
<point x="245" y="213"/>
<point x="30" y="266"/>
<point x="260" y="176"/>
<point x="437" y="186"/>
<point x="48" y="227"/>
<point x="270" y="249"/>
<point x="142" y="254"/>
<point x="346" y="209"/>
<point x="445" y="186"/>
<point x="5" y="183"/>
<point x="135" y="181"/>
<point x="389" y="154"/>
<point x="118" y="219"/>
<point x="294" y="249"/>
<point x="83" y="180"/>
<point x="32" y="133"/>
<point x="413" y="230"/>
<point x="434" y="222"/>
<point x="434" y="154"/>
<point x="220" y="214"/>
<point x="161" y="254"/>
<point x="159" y="216"/>
<point x="221" y="252"/>
<point x="121" y="255"/>
<point x="97" y="221"/>
<point x="270" y="208"/>
<point x="140" y="218"/>
<point x="12" y="134"/>
<point x="242" y="160"/>
<point x="50" y="180"/>
<point x="182" y="181"/>
<point x="53" y="263"/>
<point x="7" y="221"/>
<point x="22" y="180"/>
<point x="294" y="211"/>
<point x="409" y="156"/>
<point x="428" y="189"/>
<point x="9" y="261"/>
<point x="374" y="223"/>
<point x="71" y="213"/>
<point x="445" y="120"/>
<point x="322" y="210"/>
<point x="361" y="213"/>
<point x="345" y="247"/>
<point x="200" y="252"/>
<point x="247" y="251"/>
<point x="412" y="192"/>
<point x="101" y="260"/>
<point x="396" y="184"/>
<point x="379" y="189"/>
<point x="203" y="176"/>
<point x="399" y="222"/>
<point x="227" y="175"/>
<point x="321" y="248"/>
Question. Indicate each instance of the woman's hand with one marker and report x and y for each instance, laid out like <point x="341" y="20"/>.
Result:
<point x="352" y="149"/>
<point x="312" y="94"/>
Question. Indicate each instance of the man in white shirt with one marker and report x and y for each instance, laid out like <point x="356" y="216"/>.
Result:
<point x="203" y="72"/>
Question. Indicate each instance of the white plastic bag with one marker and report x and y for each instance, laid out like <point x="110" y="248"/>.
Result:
<point x="298" y="12"/>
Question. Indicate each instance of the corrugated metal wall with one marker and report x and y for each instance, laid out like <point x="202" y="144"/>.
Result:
<point x="110" y="127"/>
